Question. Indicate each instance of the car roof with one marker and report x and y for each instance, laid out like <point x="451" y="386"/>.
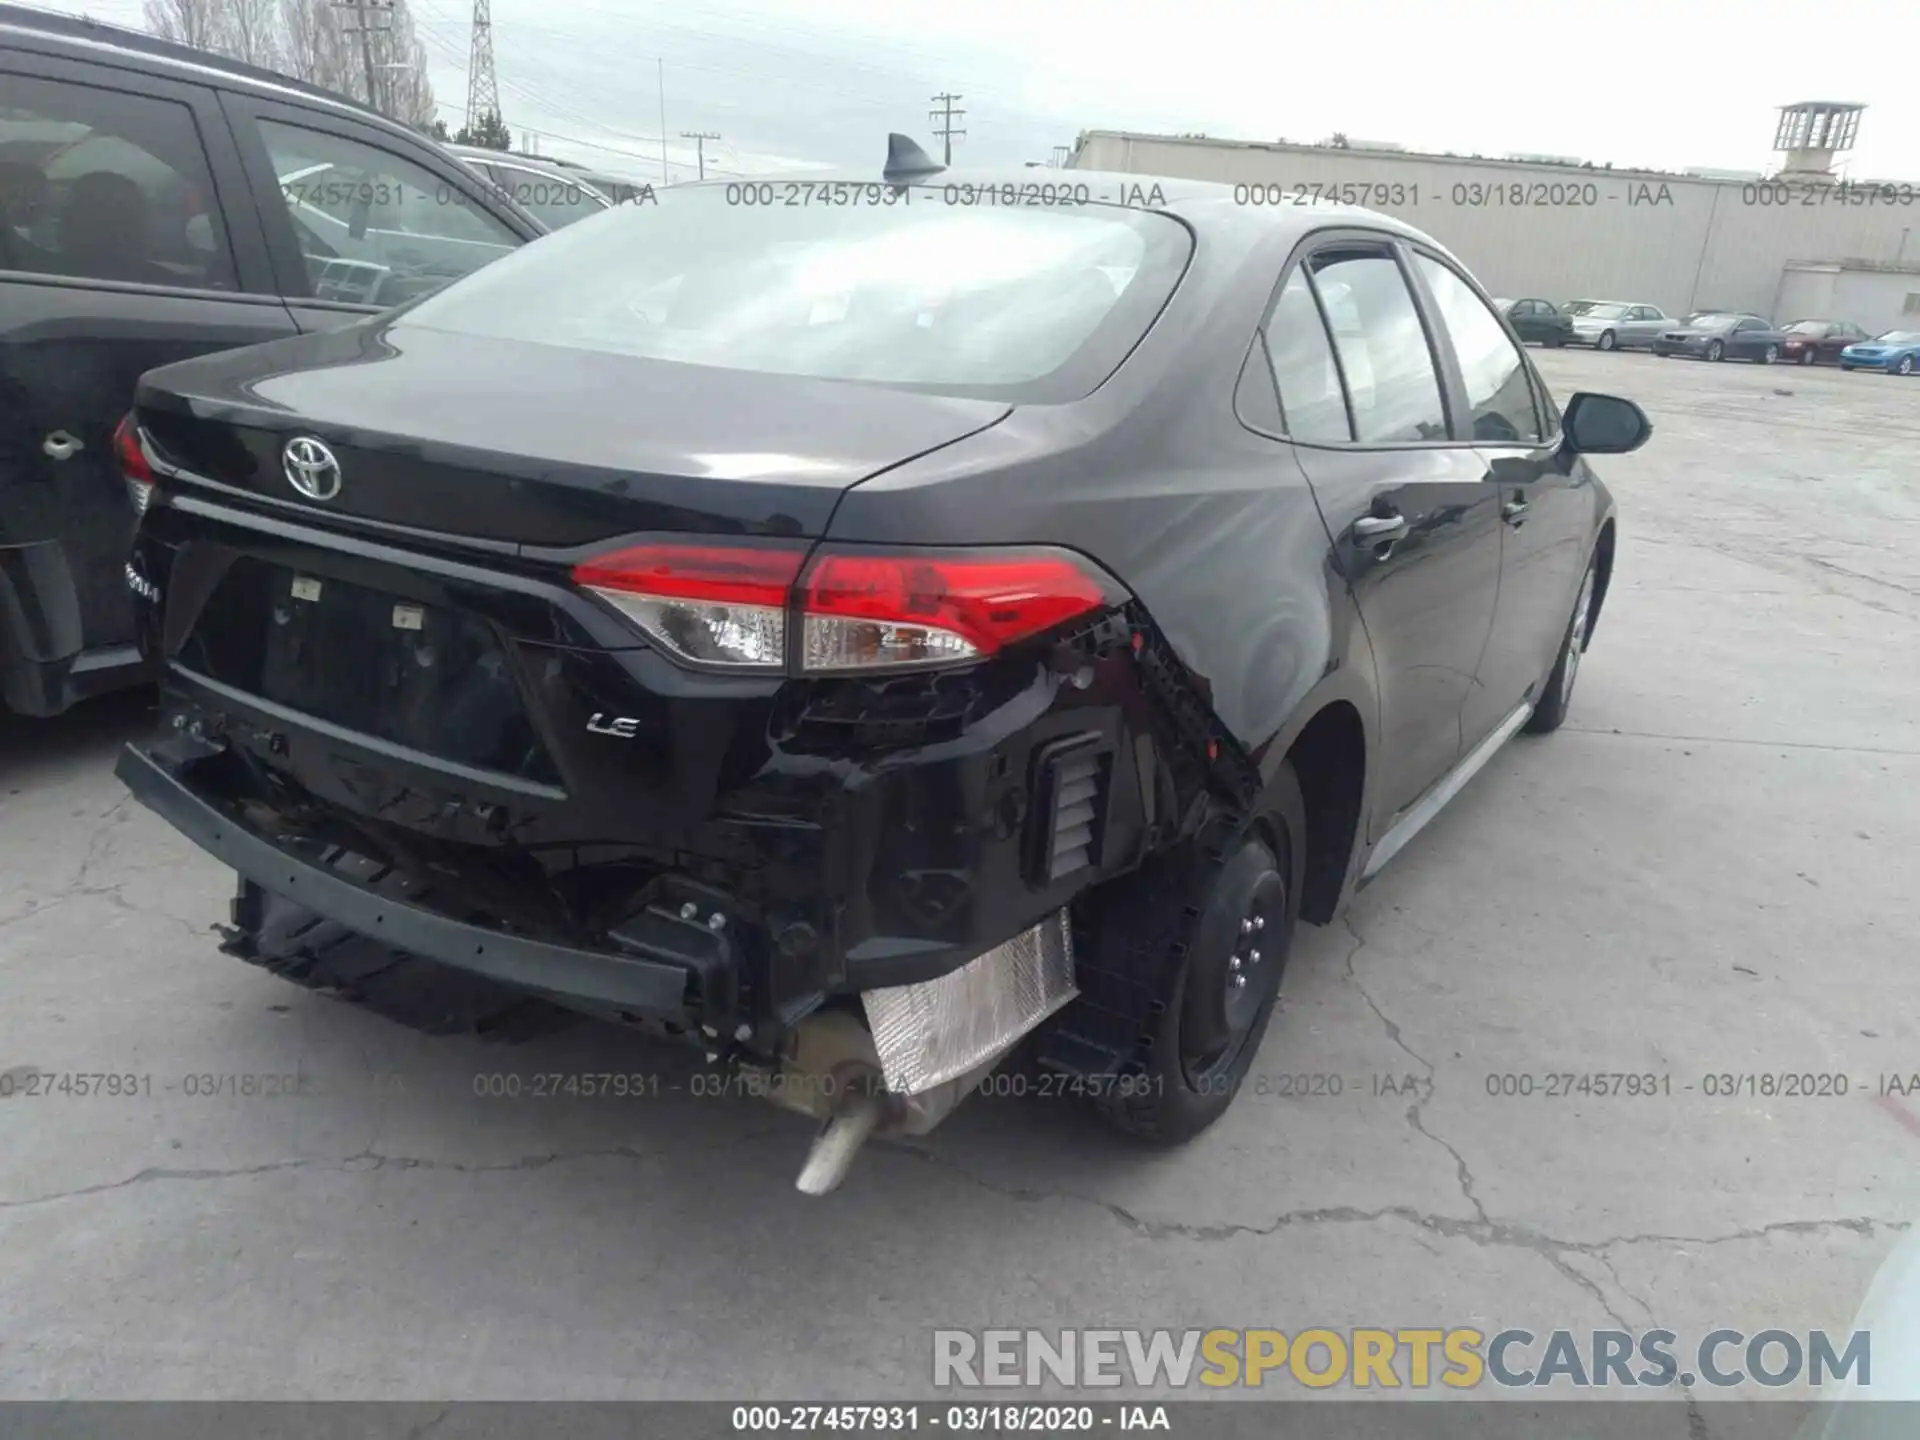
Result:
<point x="25" y="20"/>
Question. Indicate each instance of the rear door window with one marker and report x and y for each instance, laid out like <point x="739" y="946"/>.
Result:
<point x="1312" y="405"/>
<point x="1392" y="383"/>
<point x="373" y="227"/>
<point x="99" y="184"/>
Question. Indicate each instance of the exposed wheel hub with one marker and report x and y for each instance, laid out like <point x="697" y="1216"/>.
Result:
<point x="1234" y="967"/>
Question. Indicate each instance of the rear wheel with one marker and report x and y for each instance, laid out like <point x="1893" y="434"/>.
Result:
<point x="1606" y="340"/>
<point x="1716" y="351"/>
<point x="1228" y="946"/>
<point x="1905" y="367"/>
<point x="1807" y="357"/>
<point x="1772" y="354"/>
<point x="1557" y="694"/>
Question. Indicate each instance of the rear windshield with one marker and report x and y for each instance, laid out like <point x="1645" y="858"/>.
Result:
<point x="894" y="285"/>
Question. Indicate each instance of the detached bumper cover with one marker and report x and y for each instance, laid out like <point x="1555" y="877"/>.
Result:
<point x="655" y="989"/>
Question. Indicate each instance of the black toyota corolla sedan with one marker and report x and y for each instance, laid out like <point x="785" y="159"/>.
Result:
<point x="860" y="624"/>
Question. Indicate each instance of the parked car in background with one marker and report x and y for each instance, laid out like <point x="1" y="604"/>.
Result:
<point x="158" y="202"/>
<point x="1540" y="322"/>
<point x="1896" y="351"/>
<point x="1722" y="336"/>
<point x="621" y="190"/>
<point x="1616" y="324"/>
<point x="788" y="704"/>
<point x="1818" y="342"/>
<point x="557" y="195"/>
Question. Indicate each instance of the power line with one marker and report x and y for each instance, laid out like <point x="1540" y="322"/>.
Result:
<point x="944" y="129"/>
<point x="700" y="138"/>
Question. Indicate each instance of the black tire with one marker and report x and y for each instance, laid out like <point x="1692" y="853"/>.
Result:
<point x="1716" y="351"/>
<point x="1809" y="356"/>
<point x="291" y="941"/>
<point x="1847" y="368"/>
<point x="1557" y="693"/>
<point x="1905" y="367"/>
<point x="1237" y="903"/>
<point x="1770" y="354"/>
<point x="1607" y="341"/>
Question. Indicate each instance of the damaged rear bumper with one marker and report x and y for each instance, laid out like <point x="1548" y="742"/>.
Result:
<point x="663" y="986"/>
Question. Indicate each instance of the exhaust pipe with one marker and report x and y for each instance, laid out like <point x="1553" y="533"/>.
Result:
<point x="922" y="1051"/>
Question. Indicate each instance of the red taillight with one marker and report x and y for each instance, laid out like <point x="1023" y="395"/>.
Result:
<point x="860" y="607"/>
<point x="868" y="608"/>
<point x="713" y="604"/>
<point x="133" y="462"/>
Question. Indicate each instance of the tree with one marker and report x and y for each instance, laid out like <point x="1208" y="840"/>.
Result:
<point x="318" y="50"/>
<point x="436" y="129"/>
<point x="190" y="22"/>
<point x="1339" y="140"/>
<point x="309" y="40"/>
<point x="490" y="130"/>
<point x="246" y="30"/>
<point x="252" y="32"/>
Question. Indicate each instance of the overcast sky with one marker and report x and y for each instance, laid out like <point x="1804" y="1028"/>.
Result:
<point x="1661" y="83"/>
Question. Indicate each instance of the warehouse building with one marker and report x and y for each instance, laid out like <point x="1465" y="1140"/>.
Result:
<point x="1805" y="241"/>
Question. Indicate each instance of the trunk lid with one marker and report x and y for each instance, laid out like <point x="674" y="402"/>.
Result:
<point x="537" y="446"/>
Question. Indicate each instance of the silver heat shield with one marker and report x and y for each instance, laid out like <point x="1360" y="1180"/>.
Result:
<point x="930" y="1033"/>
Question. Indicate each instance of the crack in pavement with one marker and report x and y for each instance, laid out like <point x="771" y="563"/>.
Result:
<point x="368" y="1161"/>
<point x="1463" y="1174"/>
<point x="1744" y="740"/>
<point x="85" y="884"/>
<point x="1482" y="1229"/>
<point x="1486" y="1233"/>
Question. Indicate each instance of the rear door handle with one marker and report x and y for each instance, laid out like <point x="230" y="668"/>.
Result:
<point x="1379" y="529"/>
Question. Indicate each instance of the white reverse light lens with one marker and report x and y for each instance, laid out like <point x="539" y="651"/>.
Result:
<point x="748" y="636"/>
<point x="833" y="642"/>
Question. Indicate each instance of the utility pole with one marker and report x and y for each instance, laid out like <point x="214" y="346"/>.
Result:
<point x="945" y="115"/>
<point x="660" y="69"/>
<point x="700" y="138"/>
<point x="366" y="30"/>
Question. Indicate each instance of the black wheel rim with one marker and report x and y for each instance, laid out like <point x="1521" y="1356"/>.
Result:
<point x="1248" y="982"/>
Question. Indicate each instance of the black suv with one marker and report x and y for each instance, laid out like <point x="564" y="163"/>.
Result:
<point x="156" y="203"/>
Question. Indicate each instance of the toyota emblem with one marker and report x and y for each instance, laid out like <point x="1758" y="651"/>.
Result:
<point x="311" y="468"/>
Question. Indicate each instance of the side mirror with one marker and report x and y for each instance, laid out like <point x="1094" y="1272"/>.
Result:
<point x="1604" y="425"/>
